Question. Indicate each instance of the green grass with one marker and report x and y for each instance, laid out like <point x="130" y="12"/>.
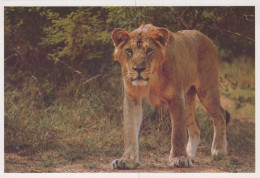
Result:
<point x="92" y="166"/>
<point x="37" y="120"/>
<point x="237" y="82"/>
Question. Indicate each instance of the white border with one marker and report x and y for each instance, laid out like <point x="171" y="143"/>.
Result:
<point x="257" y="86"/>
<point x="195" y="3"/>
<point x="128" y="3"/>
<point x="69" y="2"/>
<point x="2" y="89"/>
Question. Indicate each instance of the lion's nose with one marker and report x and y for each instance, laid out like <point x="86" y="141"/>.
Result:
<point x="138" y="69"/>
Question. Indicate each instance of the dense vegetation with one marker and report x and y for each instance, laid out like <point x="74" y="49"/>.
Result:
<point x="79" y="36"/>
<point x="63" y="89"/>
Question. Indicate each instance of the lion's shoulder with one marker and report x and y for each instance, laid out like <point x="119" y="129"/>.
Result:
<point x="190" y="34"/>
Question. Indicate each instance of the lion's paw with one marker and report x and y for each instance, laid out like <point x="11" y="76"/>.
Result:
<point x="218" y="154"/>
<point x="124" y="164"/>
<point x="180" y="161"/>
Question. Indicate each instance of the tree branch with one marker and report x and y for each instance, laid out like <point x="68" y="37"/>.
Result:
<point x="179" y="18"/>
<point x="234" y="33"/>
<point x="182" y="21"/>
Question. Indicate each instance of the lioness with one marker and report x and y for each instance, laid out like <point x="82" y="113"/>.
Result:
<point x="169" y="69"/>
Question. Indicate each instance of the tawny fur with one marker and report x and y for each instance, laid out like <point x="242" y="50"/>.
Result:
<point x="176" y="67"/>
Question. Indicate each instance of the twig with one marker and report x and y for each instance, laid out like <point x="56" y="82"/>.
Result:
<point x="87" y="80"/>
<point x="73" y="69"/>
<point x="10" y="56"/>
<point x="249" y="17"/>
<point x="234" y="33"/>
<point x="92" y="78"/>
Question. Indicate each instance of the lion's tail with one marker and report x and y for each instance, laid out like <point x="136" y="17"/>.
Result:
<point x="227" y="117"/>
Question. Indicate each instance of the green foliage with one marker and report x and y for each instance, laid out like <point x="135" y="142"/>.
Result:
<point x="83" y="33"/>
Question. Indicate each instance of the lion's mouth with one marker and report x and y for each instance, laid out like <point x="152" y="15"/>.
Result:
<point x="139" y="81"/>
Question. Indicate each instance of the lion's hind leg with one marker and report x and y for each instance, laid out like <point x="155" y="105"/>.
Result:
<point x="192" y="124"/>
<point x="210" y="99"/>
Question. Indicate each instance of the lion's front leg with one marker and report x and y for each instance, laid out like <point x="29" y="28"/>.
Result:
<point x="132" y="120"/>
<point x="178" y="155"/>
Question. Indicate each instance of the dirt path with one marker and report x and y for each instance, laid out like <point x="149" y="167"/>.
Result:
<point x="149" y="163"/>
<point x="16" y="163"/>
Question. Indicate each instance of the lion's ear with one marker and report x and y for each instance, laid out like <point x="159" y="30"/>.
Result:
<point x="161" y="35"/>
<point x="119" y="35"/>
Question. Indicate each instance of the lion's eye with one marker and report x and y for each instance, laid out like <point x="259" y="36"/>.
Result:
<point x="149" y="51"/>
<point x="129" y="51"/>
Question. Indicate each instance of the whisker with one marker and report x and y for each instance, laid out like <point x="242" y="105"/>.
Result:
<point x="126" y="76"/>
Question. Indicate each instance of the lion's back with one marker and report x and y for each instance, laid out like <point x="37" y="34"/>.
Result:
<point x="195" y="54"/>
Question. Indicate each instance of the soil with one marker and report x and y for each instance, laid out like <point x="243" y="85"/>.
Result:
<point x="150" y="163"/>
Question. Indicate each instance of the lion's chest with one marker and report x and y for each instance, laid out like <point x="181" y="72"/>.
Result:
<point x="157" y="99"/>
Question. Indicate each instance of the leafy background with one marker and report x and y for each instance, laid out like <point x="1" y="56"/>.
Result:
<point x="63" y="90"/>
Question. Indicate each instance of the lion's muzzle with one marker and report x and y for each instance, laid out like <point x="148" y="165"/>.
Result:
<point x="139" y="79"/>
<point x="140" y="82"/>
<point x="138" y="69"/>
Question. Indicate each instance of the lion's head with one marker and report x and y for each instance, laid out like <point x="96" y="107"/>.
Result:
<point x="140" y="52"/>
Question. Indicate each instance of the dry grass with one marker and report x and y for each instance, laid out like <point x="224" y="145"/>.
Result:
<point x="78" y="124"/>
